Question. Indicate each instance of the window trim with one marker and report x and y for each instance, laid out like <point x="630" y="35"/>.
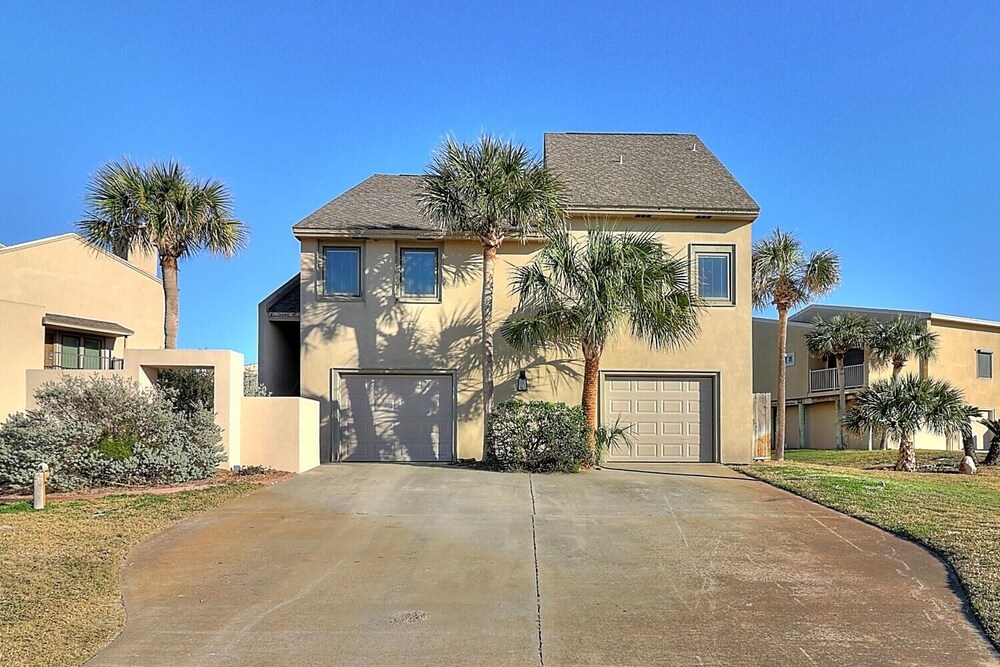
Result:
<point x="401" y="296"/>
<point x="989" y="355"/>
<point x="321" y="292"/>
<point x="728" y="250"/>
<point x="789" y="359"/>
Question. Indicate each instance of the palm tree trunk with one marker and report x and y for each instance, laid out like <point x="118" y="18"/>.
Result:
<point x="993" y="455"/>
<point x="591" y="379"/>
<point x="907" y="461"/>
<point x="779" y="426"/>
<point x="486" y="330"/>
<point x="841" y="399"/>
<point x="883" y="438"/>
<point x="969" y="445"/>
<point x="171" y="301"/>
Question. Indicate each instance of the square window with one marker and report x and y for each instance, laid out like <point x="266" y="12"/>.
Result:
<point x="342" y="271"/>
<point x="790" y="359"/>
<point x="984" y="364"/>
<point x="712" y="273"/>
<point x="419" y="273"/>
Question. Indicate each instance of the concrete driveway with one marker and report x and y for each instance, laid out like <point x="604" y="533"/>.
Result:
<point x="360" y="564"/>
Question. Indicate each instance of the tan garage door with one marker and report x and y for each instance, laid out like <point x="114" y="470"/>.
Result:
<point x="671" y="418"/>
<point x="396" y="417"/>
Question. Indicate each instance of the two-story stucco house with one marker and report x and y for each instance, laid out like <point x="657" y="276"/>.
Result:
<point x="67" y="305"/>
<point x="965" y="358"/>
<point x="381" y="324"/>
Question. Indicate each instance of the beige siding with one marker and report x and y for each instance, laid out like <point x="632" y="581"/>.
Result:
<point x="380" y="332"/>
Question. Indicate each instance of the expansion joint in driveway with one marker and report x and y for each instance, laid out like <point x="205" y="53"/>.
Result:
<point x="538" y="588"/>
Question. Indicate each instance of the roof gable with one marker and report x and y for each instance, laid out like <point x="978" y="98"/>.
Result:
<point x="671" y="172"/>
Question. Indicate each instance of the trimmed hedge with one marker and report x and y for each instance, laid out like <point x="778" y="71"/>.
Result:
<point x="537" y="436"/>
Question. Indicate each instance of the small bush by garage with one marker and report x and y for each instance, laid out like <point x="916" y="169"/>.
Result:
<point x="537" y="436"/>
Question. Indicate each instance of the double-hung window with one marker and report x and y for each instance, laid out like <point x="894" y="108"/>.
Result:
<point x="419" y="273"/>
<point x="342" y="271"/>
<point x="713" y="273"/>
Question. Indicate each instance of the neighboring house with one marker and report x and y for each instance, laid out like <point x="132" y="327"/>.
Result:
<point x="65" y="304"/>
<point x="381" y="324"/>
<point x="966" y="358"/>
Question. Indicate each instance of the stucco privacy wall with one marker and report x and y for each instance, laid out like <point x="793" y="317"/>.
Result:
<point x="281" y="440"/>
<point x="280" y="433"/>
<point x="22" y="346"/>
<point x="381" y="332"/>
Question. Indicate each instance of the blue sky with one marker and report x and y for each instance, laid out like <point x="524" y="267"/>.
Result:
<point x="870" y="128"/>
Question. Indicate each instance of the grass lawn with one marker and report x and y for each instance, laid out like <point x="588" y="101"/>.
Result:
<point x="957" y="516"/>
<point x="59" y="596"/>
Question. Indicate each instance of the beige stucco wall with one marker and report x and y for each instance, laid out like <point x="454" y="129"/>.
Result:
<point x="956" y="360"/>
<point x="68" y="277"/>
<point x="22" y="346"/>
<point x="381" y="332"/>
<point x="765" y="355"/>
<point x="280" y="433"/>
<point x="62" y="275"/>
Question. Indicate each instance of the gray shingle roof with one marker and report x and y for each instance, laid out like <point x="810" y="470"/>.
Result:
<point x="380" y="202"/>
<point x="645" y="171"/>
<point x="287" y="303"/>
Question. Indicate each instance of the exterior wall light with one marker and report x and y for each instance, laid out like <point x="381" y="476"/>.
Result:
<point x="522" y="380"/>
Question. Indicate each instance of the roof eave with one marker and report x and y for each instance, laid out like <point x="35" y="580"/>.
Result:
<point x="664" y="211"/>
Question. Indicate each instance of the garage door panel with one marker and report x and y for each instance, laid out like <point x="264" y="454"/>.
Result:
<point x="386" y="417"/>
<point x="670" y="418"/>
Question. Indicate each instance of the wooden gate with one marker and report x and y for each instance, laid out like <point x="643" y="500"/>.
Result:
<point x="762" y="426"/>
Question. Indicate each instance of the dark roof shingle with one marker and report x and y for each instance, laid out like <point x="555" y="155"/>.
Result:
<point x="288" y="302"/>
<point x="380" y="202"/>
<point x="644" y="171"/>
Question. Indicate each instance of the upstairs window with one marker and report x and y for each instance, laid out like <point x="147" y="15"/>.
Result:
<point x="419" y="273"/>
<point x="713" y="268"/>
<point x="984" y="364"/>
<point x="342" y="271"/>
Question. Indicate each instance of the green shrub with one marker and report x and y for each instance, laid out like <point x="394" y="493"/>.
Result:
<point x="100" y="431"/>
<point x="536" y="436"/>
<point x="192" y="389"/>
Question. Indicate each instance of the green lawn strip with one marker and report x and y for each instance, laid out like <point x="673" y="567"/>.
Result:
<point x="60" y="600"/>
<point x="956" y="516"/>
<point x="855" y="458"/>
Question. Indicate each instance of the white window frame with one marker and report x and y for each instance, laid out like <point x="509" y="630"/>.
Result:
<point x="789" y="359"/>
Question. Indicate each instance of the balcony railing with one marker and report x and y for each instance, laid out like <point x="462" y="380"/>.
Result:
<point x="66" y="360"/>
<point x="826" y="379"/>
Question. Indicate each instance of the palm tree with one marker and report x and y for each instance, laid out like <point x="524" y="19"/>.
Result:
<point x="491" y="189"/>
<point x="904" y="405"/>
<point x="785" y="277"/>
<point x="835" y="338"/>
<point x="161" y="209"/>
<point x="993" y="455"/>
<point x="895" y="341"/>
<point x="580" y="292"/>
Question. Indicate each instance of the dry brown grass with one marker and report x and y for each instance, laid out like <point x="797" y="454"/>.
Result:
<point x="60" y="600"/>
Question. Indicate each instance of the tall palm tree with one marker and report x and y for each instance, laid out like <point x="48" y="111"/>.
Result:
<point x="904" y="405"/>
<point x="785" y="277"/>
<point x="491" y="189"/>
<point x="161" y="208"/>
<point x="894" y="342"/>
<point x="579" y="292"/>
<point x="834" y="338"/>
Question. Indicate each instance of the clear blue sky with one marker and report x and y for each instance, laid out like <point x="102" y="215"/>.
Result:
<point x="871" y="128"/>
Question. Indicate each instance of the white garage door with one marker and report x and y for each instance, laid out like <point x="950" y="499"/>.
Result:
<point x="670" y="418"/>
<point x="396" y="417"/>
